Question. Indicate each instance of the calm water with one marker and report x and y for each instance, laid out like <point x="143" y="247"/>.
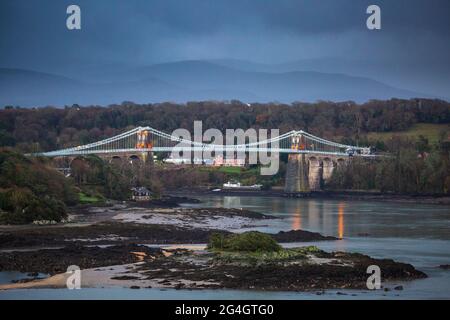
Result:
<point x="411" y="233"/>
<point x="346" y="218"/>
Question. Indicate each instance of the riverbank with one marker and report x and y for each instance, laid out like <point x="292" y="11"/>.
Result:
<point x="111" y="233"/>
<point x="437" y="199"/>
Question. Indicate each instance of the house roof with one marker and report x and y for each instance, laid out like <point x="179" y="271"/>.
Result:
<point x="140" y="190"/>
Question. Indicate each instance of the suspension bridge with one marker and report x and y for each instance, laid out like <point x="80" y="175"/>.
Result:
<point x="147" y="139"/>
<point x="311" y="159"/>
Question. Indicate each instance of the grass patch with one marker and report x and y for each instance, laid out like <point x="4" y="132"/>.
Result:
<point x="231" y="170"/>
<point x="260" y="258"/>
<point x="430" y="131"/>
<point x="251" y="241"/>
<point x="254" y="248"/>
<point x="84" y="198"/>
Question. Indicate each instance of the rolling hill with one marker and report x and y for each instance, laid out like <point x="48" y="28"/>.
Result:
<point x="187" y="81"/>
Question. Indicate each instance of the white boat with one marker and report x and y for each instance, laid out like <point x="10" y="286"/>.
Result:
<point x="232" y="185"/>
<point x="237" y="185"/>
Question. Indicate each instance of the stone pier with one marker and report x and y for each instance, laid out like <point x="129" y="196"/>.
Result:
<point x="309" y="172"/>
<point x="297" y="174"/>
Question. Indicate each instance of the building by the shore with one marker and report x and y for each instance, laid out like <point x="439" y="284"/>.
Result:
<point x="233" y="162"/>
<point x="141" y="194"/>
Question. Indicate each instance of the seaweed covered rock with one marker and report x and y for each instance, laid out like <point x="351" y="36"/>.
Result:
<point x="247" y="241"/>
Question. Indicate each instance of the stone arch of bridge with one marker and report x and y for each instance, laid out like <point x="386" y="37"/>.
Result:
<point x="315" y="173"/>
<point x="328" y="166"/>
<point x="116" y="160"/>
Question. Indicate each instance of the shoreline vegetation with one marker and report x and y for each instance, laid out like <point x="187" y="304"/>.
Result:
<point x="32" y="191"/>
<point x="414" y="132"/>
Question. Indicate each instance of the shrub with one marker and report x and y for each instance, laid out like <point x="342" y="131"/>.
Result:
<point x="32" y="190"/>
<point x="19" y="206"/>
<point x="247" y="242"/>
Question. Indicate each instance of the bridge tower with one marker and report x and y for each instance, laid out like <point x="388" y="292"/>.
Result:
<point x="144" y="141"/>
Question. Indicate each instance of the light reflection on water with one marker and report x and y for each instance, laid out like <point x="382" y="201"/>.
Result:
<point x="297" y="221"/>
<point x="341" y="220"/>
<point x="344" y="218"/>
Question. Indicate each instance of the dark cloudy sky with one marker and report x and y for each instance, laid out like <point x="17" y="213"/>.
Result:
<point x="33" y="33"/>
<point x="412" y="49"/>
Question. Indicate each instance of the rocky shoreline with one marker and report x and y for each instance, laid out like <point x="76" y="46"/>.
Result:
<point x="111" y="233"/>
<point x="128" y="224"/>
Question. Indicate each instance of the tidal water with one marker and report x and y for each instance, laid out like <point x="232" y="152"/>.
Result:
<point x="411" y="233"/>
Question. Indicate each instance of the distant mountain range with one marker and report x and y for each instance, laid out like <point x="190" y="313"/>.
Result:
<point x="191" y="81"/>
